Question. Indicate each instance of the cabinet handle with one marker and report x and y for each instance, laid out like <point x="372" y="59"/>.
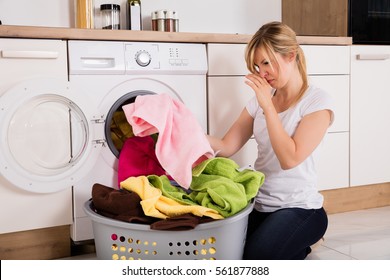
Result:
<point x="372" y="56"/>
<point x="90" y="62"/>
<point x="29" y="54"/>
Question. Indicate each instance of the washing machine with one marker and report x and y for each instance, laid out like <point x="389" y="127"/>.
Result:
<point x="110" y="74"/>
<point x="35" y="157"/>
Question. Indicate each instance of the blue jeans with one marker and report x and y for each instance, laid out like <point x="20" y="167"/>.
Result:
<point x="285" y="234"/>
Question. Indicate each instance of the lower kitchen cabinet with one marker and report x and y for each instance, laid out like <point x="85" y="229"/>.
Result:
<point x="227" y="97"/>
<point x="333" y="164"/>
<point x="370" y="115"/>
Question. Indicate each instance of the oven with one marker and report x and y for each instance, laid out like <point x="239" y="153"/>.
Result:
<point x="369" y="21"/>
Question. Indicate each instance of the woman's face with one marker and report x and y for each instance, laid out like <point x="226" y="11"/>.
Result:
<point x="276" y="71"/>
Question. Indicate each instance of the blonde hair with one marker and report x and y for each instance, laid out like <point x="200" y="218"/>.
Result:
<point x="276" y="37"/>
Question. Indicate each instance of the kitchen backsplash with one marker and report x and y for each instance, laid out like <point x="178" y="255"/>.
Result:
<point x="205" y="16"/>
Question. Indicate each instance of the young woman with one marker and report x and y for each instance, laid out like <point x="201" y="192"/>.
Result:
<point x="288" y="118"/>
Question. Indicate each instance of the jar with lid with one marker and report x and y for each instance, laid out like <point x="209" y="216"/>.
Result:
<point x="110" y="16"/>
<point x="84" y="13"/>
<point x="154" y="20"/>
<point x="175" y="21"/>
<point x="161" y="14"/>
<point x="169" y="25"/>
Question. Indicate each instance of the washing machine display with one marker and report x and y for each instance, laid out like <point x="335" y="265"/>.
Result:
<point x="109" y="75"/>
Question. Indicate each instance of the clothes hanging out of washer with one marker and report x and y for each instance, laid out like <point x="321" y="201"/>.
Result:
<point x="181" y="144"/>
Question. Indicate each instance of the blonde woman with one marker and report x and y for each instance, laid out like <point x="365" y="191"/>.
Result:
<point x="288" y="118"/>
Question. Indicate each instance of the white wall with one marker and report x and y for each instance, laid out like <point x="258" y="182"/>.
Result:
<point x="217" y="16"/>
<point x="54" y="13"/>
<point x="206" y="16"/>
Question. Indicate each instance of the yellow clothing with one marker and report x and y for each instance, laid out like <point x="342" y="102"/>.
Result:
<point x="156" y="205"/>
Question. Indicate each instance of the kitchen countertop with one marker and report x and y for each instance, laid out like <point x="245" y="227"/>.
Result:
<point x="17" y="31"/>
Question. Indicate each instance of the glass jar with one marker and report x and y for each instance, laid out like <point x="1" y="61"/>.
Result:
<point x="110" y="16"/>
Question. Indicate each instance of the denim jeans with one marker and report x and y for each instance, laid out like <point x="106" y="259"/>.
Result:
<point x="285" y="234"/>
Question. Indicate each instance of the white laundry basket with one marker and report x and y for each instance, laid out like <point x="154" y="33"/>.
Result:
<point x="219" y="239"/>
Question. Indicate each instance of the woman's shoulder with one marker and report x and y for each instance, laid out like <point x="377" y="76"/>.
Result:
<point x="315" y="95"/>
<point x="314" y="99"/>
<point x="315" y="92"/>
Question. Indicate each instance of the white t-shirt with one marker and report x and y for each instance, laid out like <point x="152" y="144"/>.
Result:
<point x="296" y="187"/>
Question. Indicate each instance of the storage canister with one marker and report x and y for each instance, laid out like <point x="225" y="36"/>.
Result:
<point x="110" y="16"/>
<point x="154" y="20"/>
<point x="169" y="25"/>
<point x="161" y="20"/>
<point x="175" y="21"/>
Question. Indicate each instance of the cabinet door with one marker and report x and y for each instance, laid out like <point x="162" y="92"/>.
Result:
<point x="226" y="60"/>
<point x="227" y="97"/>
<point x="316" y="17"/>
<point x="333" y="162"/>
<point x="327" y="60"/>
<point x="370" y="115"/>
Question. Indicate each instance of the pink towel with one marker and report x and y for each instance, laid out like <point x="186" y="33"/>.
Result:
<point x="181" y="144"/>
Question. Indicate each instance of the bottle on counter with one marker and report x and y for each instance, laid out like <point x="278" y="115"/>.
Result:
<point x="84" y="13"/>
<point x="134" y="17"/>
<point x="165" y="20"/>
<point x="169" y="25"/>
<point x="154" y="20"/>
<point x="175" y="21"/>
<point x="110" y="16"/>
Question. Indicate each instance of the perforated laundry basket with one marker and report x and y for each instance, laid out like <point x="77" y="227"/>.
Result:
<point x="219" y="239"/>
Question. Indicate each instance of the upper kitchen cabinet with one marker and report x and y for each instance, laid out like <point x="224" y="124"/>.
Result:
<point x="328" y="67"/>
<point x="316" y="17"/>
<point x="370" y="115"/>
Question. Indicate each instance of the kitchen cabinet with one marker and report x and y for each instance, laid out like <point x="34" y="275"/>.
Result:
<point x="328" y="67"/>
<point x="370" y="114"/>
<point x="316" y="17"/>
<point x="228" y="94"/>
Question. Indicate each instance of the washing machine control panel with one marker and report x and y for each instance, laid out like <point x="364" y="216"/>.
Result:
<point x="124" y="58"/>
<point x="143" y="58"/>
<point x="165" y="58"/>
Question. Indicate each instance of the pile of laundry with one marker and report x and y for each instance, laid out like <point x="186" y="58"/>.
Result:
<point x="173" y="181"/>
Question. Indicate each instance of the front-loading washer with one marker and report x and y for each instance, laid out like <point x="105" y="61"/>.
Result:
<point x="110" y="74"/>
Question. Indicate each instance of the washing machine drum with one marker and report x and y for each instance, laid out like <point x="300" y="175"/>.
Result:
<point x="117" y="128"/>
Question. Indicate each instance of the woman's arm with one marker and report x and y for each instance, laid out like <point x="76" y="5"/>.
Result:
<point x="236" y="137"/>
<point x="291" y="151"/>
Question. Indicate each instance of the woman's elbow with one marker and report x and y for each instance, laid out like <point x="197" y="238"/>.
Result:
<point x="288" y="164"/>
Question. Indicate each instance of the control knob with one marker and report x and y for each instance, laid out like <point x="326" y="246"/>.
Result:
<point x="143" y="58"/>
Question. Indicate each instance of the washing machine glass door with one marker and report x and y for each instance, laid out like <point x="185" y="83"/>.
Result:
<point x="45" y="136"/>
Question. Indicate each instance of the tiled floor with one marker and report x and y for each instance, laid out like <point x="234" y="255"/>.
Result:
<point x="362" y="234"/>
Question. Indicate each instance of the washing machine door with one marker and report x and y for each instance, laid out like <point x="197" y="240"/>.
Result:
<point x="46" y="135"/>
